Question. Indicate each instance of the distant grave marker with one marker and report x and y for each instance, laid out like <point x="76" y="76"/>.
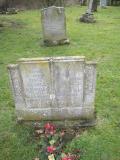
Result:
<point x="54" y="26"/>
<point x="88" y="17"/>
<point x="103" y="3"/>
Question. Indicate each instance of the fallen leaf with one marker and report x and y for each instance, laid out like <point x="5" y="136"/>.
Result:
<point x="52" y="141"/>
<point x="38" y="132"/>
<point x="36" y="158"/>
<point x="51" y="157"/>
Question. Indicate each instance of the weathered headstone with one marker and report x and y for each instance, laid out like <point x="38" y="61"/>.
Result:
<point x="60" y="89"/>
<point x="103" y="3"/>
<point x="54" y="26"/>
<point x="88" y="17"/>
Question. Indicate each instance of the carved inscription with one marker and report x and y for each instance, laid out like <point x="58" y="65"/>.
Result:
<point x="53" y="21"/>
<point x="36" y="79"/>
<point x="90" y="84"/>
<point x="69" y="84"/>
<point x="54" y="29"/>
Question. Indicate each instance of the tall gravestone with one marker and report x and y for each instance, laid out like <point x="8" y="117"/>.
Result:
<point x="54" y="26"/>
<point x="103" y="3"/>
<point x="88" y="17"/>
<point x="60" y="89"/>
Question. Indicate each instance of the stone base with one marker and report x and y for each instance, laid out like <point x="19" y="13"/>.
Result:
<point x="87" y="18"/>
<point x="9" y="11"/>
<point x="63" y="123"/>
<point x="103" y="7"/>
<point x="85" y="118"/>
<point x="57" y="42"/>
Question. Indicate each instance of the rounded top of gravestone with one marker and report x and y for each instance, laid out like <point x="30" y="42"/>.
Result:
<point x="52" y="7"/>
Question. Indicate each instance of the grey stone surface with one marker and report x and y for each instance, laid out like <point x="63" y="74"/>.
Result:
<point x="54" y="26"/>
<point x="57" y="89"/>
<point x="89" y="9"/>
<point x="103" y="3"/>
<point x="88" y="17"/>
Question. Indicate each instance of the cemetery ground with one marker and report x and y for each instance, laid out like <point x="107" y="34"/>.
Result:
<point x="20" y="36"/>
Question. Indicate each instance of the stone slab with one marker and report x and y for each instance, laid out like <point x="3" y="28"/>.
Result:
<point x="54" y="25"/>
<point x="54" y="88"/>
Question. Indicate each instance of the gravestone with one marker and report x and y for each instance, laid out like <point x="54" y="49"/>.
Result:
<point x="103" y="3"/>
<point x="60" y="89"/>
<point x="88" y="17"/>
<point x="54" y="26"/>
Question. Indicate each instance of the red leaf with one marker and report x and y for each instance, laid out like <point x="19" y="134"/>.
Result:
<point x="51" y="149"/>
<point x="49" y="129"/>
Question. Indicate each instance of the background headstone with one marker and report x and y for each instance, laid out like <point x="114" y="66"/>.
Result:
<point x="103" y="3"/>
<point x="54" y="26"/>
<point x="88" y="16"/>
<point x="59" y="89"/>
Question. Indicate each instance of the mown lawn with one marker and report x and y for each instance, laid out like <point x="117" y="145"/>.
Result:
<point x="22" y="37"/>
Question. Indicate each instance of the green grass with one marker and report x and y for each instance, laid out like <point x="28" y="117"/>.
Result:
<point x="99" y="41"/>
